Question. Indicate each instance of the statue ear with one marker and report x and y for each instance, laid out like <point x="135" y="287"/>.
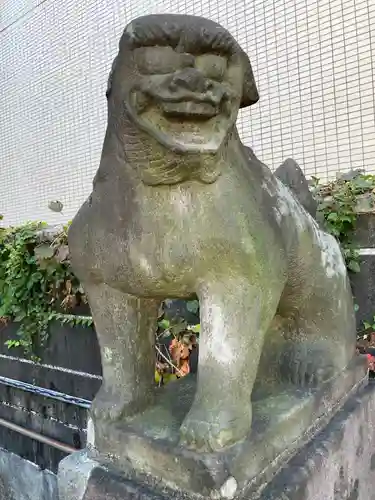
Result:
<point x="250" y="92"/>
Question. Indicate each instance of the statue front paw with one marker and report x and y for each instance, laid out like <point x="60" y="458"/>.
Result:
<point x="107" y="406"/>
<point x="112" y="404"/>
<point x="209" y="431"/>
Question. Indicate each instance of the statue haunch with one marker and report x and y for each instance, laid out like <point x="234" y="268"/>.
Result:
<point x="180" y="207"/>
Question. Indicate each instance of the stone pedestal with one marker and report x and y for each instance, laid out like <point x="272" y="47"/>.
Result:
<point x="339" y="464"/>
<point x="152" y="470"/>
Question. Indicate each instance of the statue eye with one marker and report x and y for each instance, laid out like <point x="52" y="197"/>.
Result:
<point x="160" y="60"/>
<point x="212" y="66"/>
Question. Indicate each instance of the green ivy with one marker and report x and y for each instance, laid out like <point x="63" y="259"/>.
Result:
<point x="337" y="209"/>
<point x="36" y="284"/>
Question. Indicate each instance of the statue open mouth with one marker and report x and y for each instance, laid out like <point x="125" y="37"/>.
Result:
<point x="182" y="120"/>
<point x="189" y="109"/>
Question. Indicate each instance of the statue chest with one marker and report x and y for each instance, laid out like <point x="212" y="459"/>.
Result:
<point x="175" y="239"/>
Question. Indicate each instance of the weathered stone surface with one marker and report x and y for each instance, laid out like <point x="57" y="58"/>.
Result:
<point x="364" y="234"/>
<point x="83" y="479"/>
<point x="106" y="486"/>
<point x="292" y="176"/>
<point x="74" y="474"/>
<point x="23" y="480"/>
<point x="5" y="492"/>
<point x="339" y="464"/>
<point x="180" y="207"/>
<point x="282" y="422"/>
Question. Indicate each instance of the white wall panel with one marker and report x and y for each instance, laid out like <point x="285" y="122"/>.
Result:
<point x="313" y="61"/>
<point x="11" y="11"/>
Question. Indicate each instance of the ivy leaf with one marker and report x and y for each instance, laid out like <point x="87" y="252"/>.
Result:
<point x="12" y="343"/>
<point x="334" y="231"/>
<point x="366" y="325"/>
<point x="164" y="324"/>
<point x="179" y="327"/>
<point x="44" y="251"/>
<point x="354" y="266"/>
<point x="347" y="218"/>
<point x="195" y="328"/>
<point x="192" y="306"/>
<point x="361" y="182"/>
<point x="158" y="377"/>
<point x="169" y="377"/>
<point x="20" y="317"/>
<point x="332" y="217"/>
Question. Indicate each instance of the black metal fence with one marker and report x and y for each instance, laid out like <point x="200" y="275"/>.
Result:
<point x="43" y="406"/>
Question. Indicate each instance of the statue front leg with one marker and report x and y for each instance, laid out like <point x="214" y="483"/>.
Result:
<point x="234" y="318"/>
<point x="125" y="326"/>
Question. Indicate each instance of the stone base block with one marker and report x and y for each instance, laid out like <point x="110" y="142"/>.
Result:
<point x="145" y="451"/>
<point x="23" y="480"/>
<point x="339" y="464"/>
<point x="146" y="448"/>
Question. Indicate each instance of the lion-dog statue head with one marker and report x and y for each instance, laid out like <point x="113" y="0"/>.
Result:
<point x="181" y="81"/>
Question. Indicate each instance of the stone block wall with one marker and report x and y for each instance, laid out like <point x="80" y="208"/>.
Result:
<point x="339" y="464"/>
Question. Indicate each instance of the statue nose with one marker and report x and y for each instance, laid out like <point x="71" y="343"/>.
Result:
<point x="189" y="79"/>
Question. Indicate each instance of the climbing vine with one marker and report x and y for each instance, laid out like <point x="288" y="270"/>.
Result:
<point x="36" y="283"/>
<point x="339" y="204"/>
<point x="338" y="209"/>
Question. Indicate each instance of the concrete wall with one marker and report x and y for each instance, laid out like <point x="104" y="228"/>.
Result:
<point x="49" y="398"/>
<point x="312" y="62"/>
<point x="339" y="464"/>
<point x="23" y="480"/>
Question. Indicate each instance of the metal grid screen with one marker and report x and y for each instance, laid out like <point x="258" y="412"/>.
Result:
<point x="313" y="62"/>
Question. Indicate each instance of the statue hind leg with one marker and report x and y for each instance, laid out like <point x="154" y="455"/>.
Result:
<point x="323" y="343"/>
<point x="125" y="326"/>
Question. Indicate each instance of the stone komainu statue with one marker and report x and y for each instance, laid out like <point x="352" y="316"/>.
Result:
<point x="181" y="207"/>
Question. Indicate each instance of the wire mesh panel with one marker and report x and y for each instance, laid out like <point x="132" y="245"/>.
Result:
<point x="312" y="61"/>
